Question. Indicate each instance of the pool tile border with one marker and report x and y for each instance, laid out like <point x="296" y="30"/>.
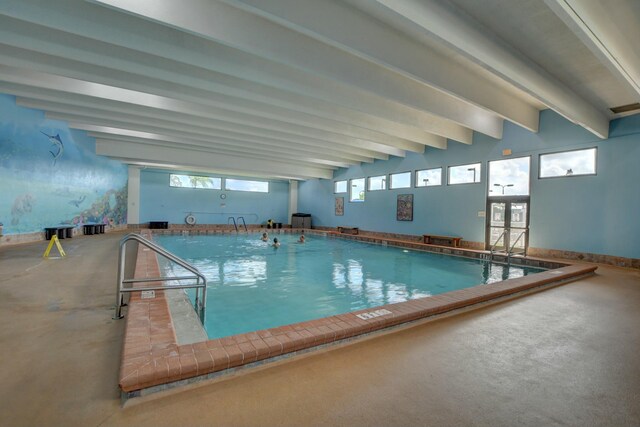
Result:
<point x="151" y="355"/>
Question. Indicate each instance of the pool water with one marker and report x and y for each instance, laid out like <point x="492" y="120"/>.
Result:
<point x="254" y="286"/>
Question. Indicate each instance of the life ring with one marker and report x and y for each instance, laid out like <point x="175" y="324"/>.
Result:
<point x="190" y="219"/>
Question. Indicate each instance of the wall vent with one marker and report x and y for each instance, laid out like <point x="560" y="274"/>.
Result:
<point x="626" y="108"/>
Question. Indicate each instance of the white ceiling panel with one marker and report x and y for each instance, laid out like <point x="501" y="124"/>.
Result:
<point x="293" y="89"/>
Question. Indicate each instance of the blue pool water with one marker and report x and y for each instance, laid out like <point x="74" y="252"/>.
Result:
<point x="253" y="286"/>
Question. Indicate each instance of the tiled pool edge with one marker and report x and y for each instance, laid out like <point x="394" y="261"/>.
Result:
<point x="152" y="357"/>
<point x="162" y="390"/>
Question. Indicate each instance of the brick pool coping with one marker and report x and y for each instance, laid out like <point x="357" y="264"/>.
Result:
<point x="151" y="355"/>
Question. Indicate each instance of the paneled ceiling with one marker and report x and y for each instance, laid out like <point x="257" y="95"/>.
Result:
<point x="294" y="89"/>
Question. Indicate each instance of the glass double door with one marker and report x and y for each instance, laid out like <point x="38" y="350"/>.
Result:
<point x="508" y="223"/>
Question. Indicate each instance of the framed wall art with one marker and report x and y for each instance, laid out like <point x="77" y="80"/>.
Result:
<point x="404" y="210"/>
<point x="339" y="206"/>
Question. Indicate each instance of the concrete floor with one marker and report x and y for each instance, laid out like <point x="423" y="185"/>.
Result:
<point x="567" y="356"/>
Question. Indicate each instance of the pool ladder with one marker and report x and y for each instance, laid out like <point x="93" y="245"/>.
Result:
<point x="201" y="281"/>
<point x="510" y="251"/>
<point x="235" y="224"/>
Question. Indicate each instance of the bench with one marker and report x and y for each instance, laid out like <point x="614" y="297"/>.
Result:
<point x="429" y="238"/>
<point x="62" y="231"/>
<point x="348" y="230"/>
<point x="92" y="228"/>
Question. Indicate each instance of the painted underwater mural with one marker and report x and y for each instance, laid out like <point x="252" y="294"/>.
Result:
<point x="50" y="174"/>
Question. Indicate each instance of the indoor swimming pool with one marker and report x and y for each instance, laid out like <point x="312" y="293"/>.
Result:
<point x="253" y="286"/>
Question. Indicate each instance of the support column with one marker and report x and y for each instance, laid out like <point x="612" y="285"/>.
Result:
<point x="293" y="198"/>
<point x="133" y="196"/>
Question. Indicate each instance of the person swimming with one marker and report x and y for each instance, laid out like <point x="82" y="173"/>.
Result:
<point x="265" y="237"/>
<point x="276" y="244"/>
<point x="301" y="239"/>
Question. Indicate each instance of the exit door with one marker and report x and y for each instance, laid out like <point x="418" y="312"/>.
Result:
<point x="508" y="224"/>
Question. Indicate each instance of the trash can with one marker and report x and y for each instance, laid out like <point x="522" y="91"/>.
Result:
<point x="301" y="220"/>
<point x="159" y="225"/>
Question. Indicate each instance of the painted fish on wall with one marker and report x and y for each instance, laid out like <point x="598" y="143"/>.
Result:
<point x="53" y="180"/>
<point x="21" y="205"/>
<point x="57" y="143"/>
<point x="77" y="202"/>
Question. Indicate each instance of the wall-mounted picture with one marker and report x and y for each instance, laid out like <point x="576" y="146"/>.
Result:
<point x="339" y="206"/>
<point x="404" y="210"/>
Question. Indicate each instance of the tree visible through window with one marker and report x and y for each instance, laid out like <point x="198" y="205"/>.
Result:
<point x="193" y="181"/>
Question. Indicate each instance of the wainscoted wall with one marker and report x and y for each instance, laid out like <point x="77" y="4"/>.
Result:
<point x="583" y="214"/>
<point x="160" y="202"/>
<point x="50" y="175"/>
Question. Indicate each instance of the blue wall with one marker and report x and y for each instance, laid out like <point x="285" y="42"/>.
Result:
<point x="43" y="183"/>
<point x="595" y="214"/>
<point x="160" y="202"/>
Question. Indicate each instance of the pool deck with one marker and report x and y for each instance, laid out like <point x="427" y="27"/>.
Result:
<point x="153" y="361"/>
<point x="567" y="356"/>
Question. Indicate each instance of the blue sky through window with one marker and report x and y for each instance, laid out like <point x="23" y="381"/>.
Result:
<point x="245" y="185"/>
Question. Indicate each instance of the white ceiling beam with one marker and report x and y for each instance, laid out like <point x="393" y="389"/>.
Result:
<point x="105" y="35"/>
<point x="264" y="155"/>
<point x="164" y="140"/>
<point x="253" y="34"/>
<point x="41" y="92"/>
<point x="212" y="140"/>
<point x="350" y="29"/>
<point x="176" y="156"/>
<point x="168" y="90"/>
<point x="209" y="128"/>
<point x="252" y="97"/>
<point x="610" y="31"/>
<point x="126" y="135"/>
<point x="91" y="89"/>
<point x="447" y="25"/>
<point x="193" y="169"/>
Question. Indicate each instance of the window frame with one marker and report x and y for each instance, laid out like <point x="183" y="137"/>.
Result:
<point x="197" y="176"/>
<point x="489" y="195"/>
<point x="398" y="173"/>
<point x="384" y="180"/>
<point x="595" y="163"/>
<point x="346" y="186"/>
<point x="364" y="190"/>
<point x="247" y="191"/>
<point x="463" y="183"/>
<point x="415" y="183"/>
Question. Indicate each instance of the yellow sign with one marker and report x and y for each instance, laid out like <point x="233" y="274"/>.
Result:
<point x="53" y="240"/>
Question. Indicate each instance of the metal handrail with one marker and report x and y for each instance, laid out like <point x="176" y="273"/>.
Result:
<point x="511" y="252"/>
<point x="230" y="219"/>
<point x="201" y="281"/>
<point x="522" y="233"/>
<point x="243" y="223"/>
<point x="160" y="279"/>
<point x="496" y="243"/>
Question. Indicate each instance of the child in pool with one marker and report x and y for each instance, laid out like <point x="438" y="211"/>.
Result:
<point x="276" y="244"/>
<point x="265" y="237"/>
<point x="301" y="240"/>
